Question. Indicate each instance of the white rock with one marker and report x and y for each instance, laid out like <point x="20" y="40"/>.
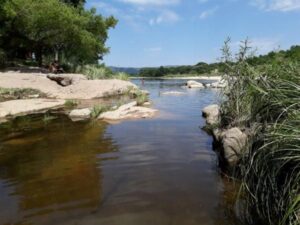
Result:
<point x="28" y="106"/>
<point x="219" y="84"/>
<point x="234" y="142"/>
<point x="128" y="111"/>
<point x="80" y="114"/>
<point x="194" y="84"/>
<point x="212" y="114"/>
<point x="147" y="104"/>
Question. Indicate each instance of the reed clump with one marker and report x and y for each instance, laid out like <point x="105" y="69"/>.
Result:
<point x="265" y="100"/>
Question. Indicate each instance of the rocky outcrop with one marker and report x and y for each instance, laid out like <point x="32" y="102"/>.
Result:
<point x="28" y="106"/>
<point x="128" y="111"/>
<point x="212" y="114"/>
<point x="231" y="143"/>
<point x="80" y="114"/>
<point x="80" y="88"/>
<point x="194" y="84"/>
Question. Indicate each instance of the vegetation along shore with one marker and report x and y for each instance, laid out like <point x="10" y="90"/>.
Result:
<point x="256" y="132"/>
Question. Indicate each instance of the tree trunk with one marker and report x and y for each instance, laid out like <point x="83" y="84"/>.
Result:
<point x="39" y="56"/>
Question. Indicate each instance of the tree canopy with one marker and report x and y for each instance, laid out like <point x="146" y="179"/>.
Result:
<point x="53" y="26"/>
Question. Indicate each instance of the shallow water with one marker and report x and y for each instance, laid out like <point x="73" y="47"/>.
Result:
<point x="160" y="171"/>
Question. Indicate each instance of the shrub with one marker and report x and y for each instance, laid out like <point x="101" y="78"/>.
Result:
<point x="98" y="109"/>
<point x="71" y="103"/>
<point x="266" y="101"/>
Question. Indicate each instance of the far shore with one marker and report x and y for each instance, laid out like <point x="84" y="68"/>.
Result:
<point x="182" y="78"/>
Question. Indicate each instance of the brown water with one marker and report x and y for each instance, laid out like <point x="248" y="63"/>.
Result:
<point x="149" y="172"/>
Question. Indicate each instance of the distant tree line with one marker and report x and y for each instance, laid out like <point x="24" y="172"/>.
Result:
<point x="41" y="31"/>
<point x="292" y="54"/>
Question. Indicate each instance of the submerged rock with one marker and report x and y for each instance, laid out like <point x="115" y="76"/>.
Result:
<point x="194" y="84"/>
<point x="234" y="143"/>
<point x="80" y="114"/>
<point x="128" y="111"/>
<point x="212" y="114"/>
<point x="28" y="106"/>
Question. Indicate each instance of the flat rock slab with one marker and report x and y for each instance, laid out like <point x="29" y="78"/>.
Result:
<point x="28" y="106"/>
<point x="128" y="111"/>
<point x="79" y="89"/>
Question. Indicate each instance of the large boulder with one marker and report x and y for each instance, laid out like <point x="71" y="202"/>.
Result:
<point x="234" y="144"/>
<point x="212" y="114"/>
<point x="128" y="111"/>
<point x="80" y="114"/>
<point x="194" y="84"/>
<point x="80" y="88"/>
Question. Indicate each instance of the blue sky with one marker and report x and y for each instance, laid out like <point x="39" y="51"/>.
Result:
<point x="185" y="32"/>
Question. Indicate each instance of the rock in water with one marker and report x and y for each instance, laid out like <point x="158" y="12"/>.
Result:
<point x="128" y="111"/>
<point x="194" y="84"/>
<point x="80" y="114"/>
<point x="234" y="143"/>
<point x="212" y="114"/>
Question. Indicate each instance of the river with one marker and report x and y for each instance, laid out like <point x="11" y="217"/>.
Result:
<point x="159" y="171"/>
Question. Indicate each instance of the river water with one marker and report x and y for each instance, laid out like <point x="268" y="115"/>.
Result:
<point x="159" y="171"/>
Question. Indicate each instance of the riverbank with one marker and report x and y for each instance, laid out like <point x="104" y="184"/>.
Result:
<point x="256" y="136"/>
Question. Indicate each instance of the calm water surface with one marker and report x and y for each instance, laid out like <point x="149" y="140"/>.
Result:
<point x="160" y="171"/>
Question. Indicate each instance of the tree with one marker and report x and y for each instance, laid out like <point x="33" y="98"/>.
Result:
<point x="49" y="27"/>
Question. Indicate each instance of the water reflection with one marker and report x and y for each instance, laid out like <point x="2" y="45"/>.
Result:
<point x="53" y="169"/>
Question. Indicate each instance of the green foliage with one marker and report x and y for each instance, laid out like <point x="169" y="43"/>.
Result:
<point x="265" y="100"/>
<point x="140" y="96"/>
<point x="100" y="71"/>
<point x="98" y="109"/>
<point x="49" y="27"/>
<point x="71" y="103"/>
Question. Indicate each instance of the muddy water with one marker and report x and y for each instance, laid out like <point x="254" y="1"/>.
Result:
<point x="149" y="172"/>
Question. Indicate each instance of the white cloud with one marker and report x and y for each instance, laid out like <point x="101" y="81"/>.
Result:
<point x="152" y="2"/>
<point x="277" y="5"/>
<point x="208" y="13"/>
<point x="167" y="16"/>
<point x="107" y="8"/>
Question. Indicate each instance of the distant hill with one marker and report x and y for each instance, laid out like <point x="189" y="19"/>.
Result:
<point x="129" y="70"/>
